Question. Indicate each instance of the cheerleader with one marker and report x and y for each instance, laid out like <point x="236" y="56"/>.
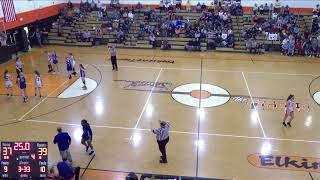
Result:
<point x="69" y="67"/>
<point x="37" y="84"/>
<point x="8" y="83"/>
<point x="73" y="64"/>
<point x="55" y="61"/>
<point x="289" y="111"/>
<point x="19" y="67"/>
<point x="23" y="87"/>
<point x="83" y="76"/>
<point x="49" y="62"/>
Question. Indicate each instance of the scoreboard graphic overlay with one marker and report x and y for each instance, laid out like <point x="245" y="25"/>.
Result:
<point x="24" y="160"/>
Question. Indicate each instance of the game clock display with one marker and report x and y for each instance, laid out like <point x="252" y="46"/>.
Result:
<point x="24" y="160"/>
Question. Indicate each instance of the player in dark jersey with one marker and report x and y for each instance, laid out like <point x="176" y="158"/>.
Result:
<point x="55" y="62"/>
<point x="87" y="136"/>
<point x="69" y="66"/>
<point x="23" y="87"/>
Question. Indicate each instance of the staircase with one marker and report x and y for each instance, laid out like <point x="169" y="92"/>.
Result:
<point x="238" y="27"/>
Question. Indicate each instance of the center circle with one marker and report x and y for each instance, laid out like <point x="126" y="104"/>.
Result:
<point x="209" y="95"/>
<point x="200" y="94"/>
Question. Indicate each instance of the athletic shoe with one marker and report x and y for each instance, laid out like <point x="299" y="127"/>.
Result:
<point x="91" y="153"/>
<point x="87" y="148"/>
<point x="289" y="124"/>
<point x="162" y="161"/>
<point x="284" y="124"/>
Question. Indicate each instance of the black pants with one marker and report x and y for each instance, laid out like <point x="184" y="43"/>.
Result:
<point x="162" y="147"/>
<point x="114" y="63"/>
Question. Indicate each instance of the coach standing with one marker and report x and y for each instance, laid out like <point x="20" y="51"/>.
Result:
<point x="162" y="135"/>
<point x="63" y="140"/>
<point x="113" y="54"/>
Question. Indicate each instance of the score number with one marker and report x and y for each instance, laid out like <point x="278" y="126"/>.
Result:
<point x="42" y="151"/>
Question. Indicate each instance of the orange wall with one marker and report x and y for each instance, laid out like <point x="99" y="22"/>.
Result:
<point x="31" y="16"/>
<point x="38" y="14"/>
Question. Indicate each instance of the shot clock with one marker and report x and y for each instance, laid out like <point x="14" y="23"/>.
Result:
<point x="24" y="160"/>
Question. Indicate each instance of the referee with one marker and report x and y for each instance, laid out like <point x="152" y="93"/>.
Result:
<point x="162" y="135"/>
<point x="113" y="54"/>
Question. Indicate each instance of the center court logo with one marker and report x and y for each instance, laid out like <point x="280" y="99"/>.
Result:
<point x="283" y="162"/>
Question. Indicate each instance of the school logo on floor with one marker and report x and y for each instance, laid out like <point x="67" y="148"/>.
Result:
<point x="283" y="162"/>
<point x="151" y="60"/>
<point x="268" y="104"/>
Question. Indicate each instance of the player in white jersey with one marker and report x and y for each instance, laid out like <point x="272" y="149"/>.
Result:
<point x="73" y="64"/>
<point x="37" y="83"/>
<point x="19" y="67"/>
<point x="289" y="111"/>
<point x="8" y="82"/>
<point x="83" y="76"/>
<point x="49" y="56"/>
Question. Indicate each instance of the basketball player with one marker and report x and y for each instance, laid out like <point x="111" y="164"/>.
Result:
<point x="37" y="84"/>
<point x="8" y="82"/>
<point x="289" y="111"/>
<point x="19" y="67"/>
<point x="87" y="136"/>
<point x="83" y="76"/>
<point x="73" y="64"/>
<point x="23" y="86"/>
<point x="49" y="62"/>
<point x="69" y="67"/>
<point x="55" y="61"/>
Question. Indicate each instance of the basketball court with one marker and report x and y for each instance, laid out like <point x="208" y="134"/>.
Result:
<point x="225" y="111"/>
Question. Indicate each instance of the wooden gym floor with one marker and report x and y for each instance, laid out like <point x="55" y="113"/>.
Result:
<point x="222" y="139"/>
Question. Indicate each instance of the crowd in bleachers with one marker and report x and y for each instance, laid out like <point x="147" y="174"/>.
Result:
<point x="213" y="26"/>
<point x="282" y="25"/>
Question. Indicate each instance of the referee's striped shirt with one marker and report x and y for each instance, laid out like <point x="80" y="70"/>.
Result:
<point x="162" y="133"/>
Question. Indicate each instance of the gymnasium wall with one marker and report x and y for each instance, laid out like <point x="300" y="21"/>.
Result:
<point x="246" y="3"/>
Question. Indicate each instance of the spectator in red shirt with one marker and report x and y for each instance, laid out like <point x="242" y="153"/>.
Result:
<point x="298" y="47"/>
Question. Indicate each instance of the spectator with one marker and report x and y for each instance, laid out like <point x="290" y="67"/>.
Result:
<point x="188" y="6"/>
<point x="314" y="46"/>
<point x="166" y="45"/>
<point x="65" y="170"/>
<point x="139" y="7"/>
<point x="130" y="15"/>
<point x="255" y="8"/>
<point x="291" y="46"/>
<point x="277" y="6"/>
<point x="198" y="7"/>
<point x="298" y="47"/>
<point x="152" y="40"/>
<point x="99" y="5"/>
<point x="178" y="5"/>
<point x="70" y="5"/>
<point x="45" y="35"/>
<point x="86" y="36"/>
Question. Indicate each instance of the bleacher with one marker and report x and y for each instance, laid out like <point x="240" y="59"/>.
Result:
<point x="239" y="23"/>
